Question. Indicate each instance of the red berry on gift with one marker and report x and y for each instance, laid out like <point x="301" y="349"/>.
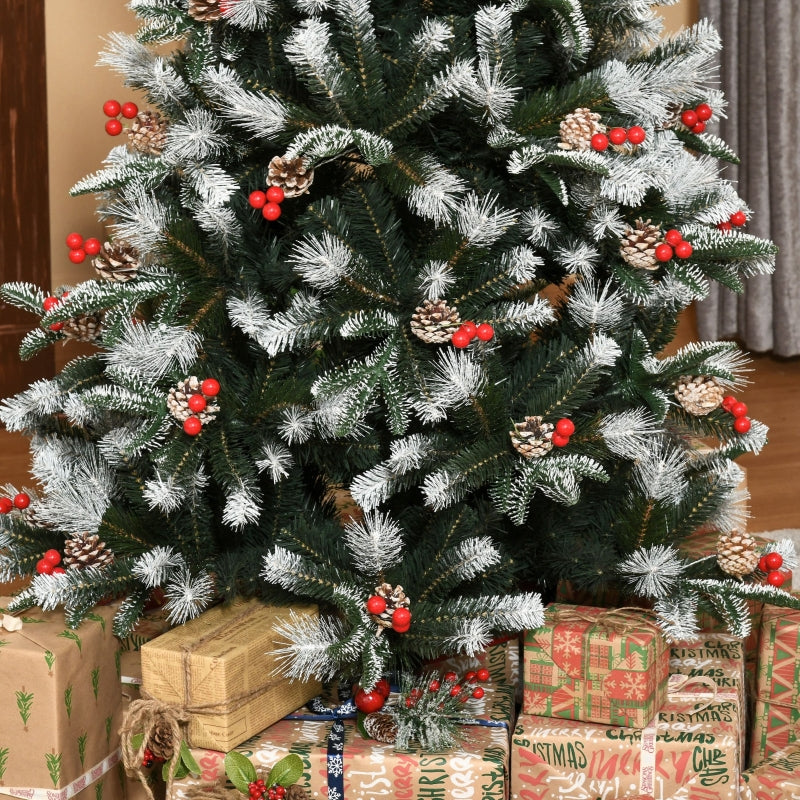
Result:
<point x="53" y="557"/>
<point x="478" y="692"/>
<point x="483" y="674"/>
<point x="738" y="409"/>
<point x="275" y="194"/>
<point x="376" y="604"/>
<point x="401" y="618"/>
<point x="192" y="426"/>
<point x="636" y="134"/>
<point x="663" y="252"/>
<point x="271" y="211"/>
<point x="129" y="110"/>
<point x="689" y="117"/>
<point x="111" y="108"/>
<point x="210" y="387"/>
<point x="77" y="256"/>
<point x="776" y="578"/>
<point x="484" y="332"/>
<point x="43" y="568"/>
<point x="455" y="690"/>
<point x="725" y="227"/>
<point x="22" y="500"/>
<point x="460" y="339"/>
<point x="738" y="218"/>
<point x="257" y="199"/>
<point x="673" y="237"/>
<point x="773" y="560"/>
<point x="383" y="688"/>
<point x="559" y="440"/>
<point x="113" y="127"/>
<point x="434" y="685"/>
<point x="741" y="424"/>
<point x="5" y="505"/>
<point x="471" y="676"/>
<point x="450" y="676"/>
<point x="49" y="303"/>
<point x="703" y="111"/>
<point x="699" y="127"/>
<point x="368" y="701"/>
<point x="196" y="403"/>
<point x="617" y="135"/>
<point x="684" y="249"/>
<point x="599" y="142"/>
<point x="566" y="427"/>
<point x="74" y="241"/>
<point x="92" y="246"/>
<point x="728" y="402"/>
<point x="470" y="328"/>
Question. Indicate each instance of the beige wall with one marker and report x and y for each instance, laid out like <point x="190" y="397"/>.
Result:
<point x="680" y="15"/>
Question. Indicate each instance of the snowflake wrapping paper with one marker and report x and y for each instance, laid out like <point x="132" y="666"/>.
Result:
<point x="368" y="770"/>
<point x="777" y="778"/>
<point x="60" y="707"/>
<point x="595" y="665"/>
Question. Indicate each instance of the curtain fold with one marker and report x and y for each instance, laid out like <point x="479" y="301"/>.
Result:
<point x="760" y="74"/>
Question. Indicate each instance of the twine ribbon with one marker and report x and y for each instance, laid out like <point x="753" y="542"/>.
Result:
<point x="620" y="620"/>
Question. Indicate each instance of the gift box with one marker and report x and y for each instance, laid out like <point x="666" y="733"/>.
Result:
<point x="60" y="706"/>
<point x="340" y="763"/>
<point x="774" y="728"/>
<point x="221" y="670"/>
<point x="595" y="665"/>
<point x="501" y="657"/>
<point x="777" y="778"/>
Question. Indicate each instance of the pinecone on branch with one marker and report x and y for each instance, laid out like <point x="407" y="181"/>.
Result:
<point x="148" y="133"/>
<point x="381" y="726"/>
<point x="434" y="321"/>
<point x="291" y="174"/>
<point x="117" y="261"/>
<point x="205" y="10"/>
<point x="638" y="245"/>
<point x="736" y="553"/>
<point x="161" y="743"/>
<point x="395" y="597"/>
<point x="84" y="328"/>
<point x="578" y="127"/>
<point x="178" y="401"/>
<point x="699" y="395"/>
<point x="532" y="437"/>
<point x="86" y="550"/>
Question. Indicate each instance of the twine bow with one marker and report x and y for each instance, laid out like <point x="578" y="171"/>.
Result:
<point x="617" y="620"/>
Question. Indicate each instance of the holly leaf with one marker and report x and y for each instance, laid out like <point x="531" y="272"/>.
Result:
<point x="360" y="725"/>
<point x="287" y="771"/>
<point x="240" y="771"/>
<point x="180" y="770"/>
<point x="188" y="760"/>
<point x="136" y="741"/>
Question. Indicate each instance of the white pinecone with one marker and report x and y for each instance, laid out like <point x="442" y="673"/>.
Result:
<point x="381" y="726"/>
<point x="178" y="401"/>
<point x="638" y="245"/>
<point x="291" y="174"/>
<point x="435" y="321"/>
<point x="532" y="437"/>
<point x="578" y="127"/>
<point x="86" y="550"/>
<point x="395" y="597"/>
<point x="205" y="10"/>
<point x="736" y="553"/>
<point x="84" y="328"/>
<point x="148" y="133"/>
<point x="117" y="261"/>
<point x="699" y="395"/>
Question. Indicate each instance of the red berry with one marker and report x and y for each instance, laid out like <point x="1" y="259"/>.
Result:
<point x="22" y="500"/>
<point x="703" y="111"/>
<point x="434" y="686"/>
<point x="738" y="409"/>
<point x="43" y="568"/>
<point x="773" y="560"/>
<point x="271" y="211"/>
<point x="455" y="690"/>
<point x="725" y="227"/>
<point x="376" y="604"/>
<point x="196" y="403"/>
<point x="566" y="427"/>
<point x="559" y="440"/>
<point x="663" y="252"/>
<point x="77" y="256"/>
<point x="275" y="194"/>
<point x="450" y="676"/>
<point x="673" y="237"/>
<point x="411" y="702"/>
<point x="762" y="564"/>
<point x="113" y="127"/>
<point x="483" y="674"/>
<point x="689" y="117"/>
<point x="617" y="135"/>
<point x="111" y="108"/>
<point x="471" y="677"/>
<point x="684" y="249"/>
<point x="383" y="688"/>
<point x="478" y="692"/>
<point x="460" y="339"/>
<point x="281" y="790"/>
<point x="53" y="557"/>
<point x="129" y="110"/>
<point x="776" y="578"/>
<point x="49" y="303"/>
<point x="192" y="426"/>
<point x="485" y="332"/>
<point x="368" y="701"/>
<point x="210" y="387"/>
<point x="92" y="246"/>
<point x="257" y="199"/>
<point x="56" y="326"/>
<point x="738" y="218"/>
<point x="5" y="505"/>
<point x="74" y="241"/>
<point x="416" y="692"/>
<point x="728" y="402"/>
<point x="470" y="328"/>
<point x="741" y="424"/>
<point x="59" y="571"/>
<point x="401" y="618"/>
<point x="699" y="127"/>
<point x="599" y="142"/>
<point x="636" y="134"/>
<point x="64" y="294"/>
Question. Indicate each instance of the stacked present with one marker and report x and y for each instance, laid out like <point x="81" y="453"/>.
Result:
<point x="776" y="778"/>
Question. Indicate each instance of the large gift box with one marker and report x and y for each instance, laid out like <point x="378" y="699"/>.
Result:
<point x="60" y="706"/>
<point x="595" y="665"/>
<point x="340" y="763"/>
<point x="777" y="778"/>
<point x="221" y="670"/>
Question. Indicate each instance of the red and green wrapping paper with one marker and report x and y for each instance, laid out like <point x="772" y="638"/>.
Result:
<point x="777" y="778"/>
<point x="595" y="665"/>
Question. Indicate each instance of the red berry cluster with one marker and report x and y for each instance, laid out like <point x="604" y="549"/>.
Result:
<point x="617" y="136"/>
<point x="373" y="700"/>
<point x="673" y="245"/>
<point x="48" y="564"/>
<point x="741" y="422"/>
<point x="79" y="249"/>
<point x="737" y="219"/>
<point x="462" y="691"/>
<point x="564" y="429"/>
<point x="111" y="108"/>
<point x="695" y="118"/>
<point x="51" y="302"/>
<point x="469" y="331"/>
<point x="197" y="402"/>
<point x="20" y="501"/>
<point x="269" y="202"/>
<point x="770" y="564"/>
<point x="401" y="617"/>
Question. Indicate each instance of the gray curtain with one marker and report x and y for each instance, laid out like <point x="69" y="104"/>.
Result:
<point x="760" y="73"/>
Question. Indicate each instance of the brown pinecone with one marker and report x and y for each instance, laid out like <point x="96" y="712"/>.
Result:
<point x="578" y="127"/>
<point x="699" y="395"/>
<point x="86" y="550"/>
<point x="395" y="597"/>
<point x="532" y="438"/>
<point x="434" y="321"/>
<point x="148" y="133"/>
<point x="381" y="726"/>
<point x="178" y="401"/>
<point x="117" y="261"/>
<point x="205" y="10"/>
<point x="638" y="245"/>
<point x="160" y="743"/>
<point x="291" y="174"/>
<point x="736" y="553"/>
<point x="84" y="328"/>
<point x="296" y="792"/>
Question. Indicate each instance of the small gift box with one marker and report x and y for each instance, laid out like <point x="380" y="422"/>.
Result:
<point x="595" y="665"/>
<point x="777" y="778"/>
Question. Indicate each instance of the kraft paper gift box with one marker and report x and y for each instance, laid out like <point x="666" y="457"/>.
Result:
<point x="777" y="778"/>
<point x="221" y="670"/>
<point x="342" y="765"/>
<point x="595" y="665"/>
<point x="60" y="706"/>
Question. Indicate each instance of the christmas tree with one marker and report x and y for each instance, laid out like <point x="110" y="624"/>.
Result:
<point x="380" y="322"/>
